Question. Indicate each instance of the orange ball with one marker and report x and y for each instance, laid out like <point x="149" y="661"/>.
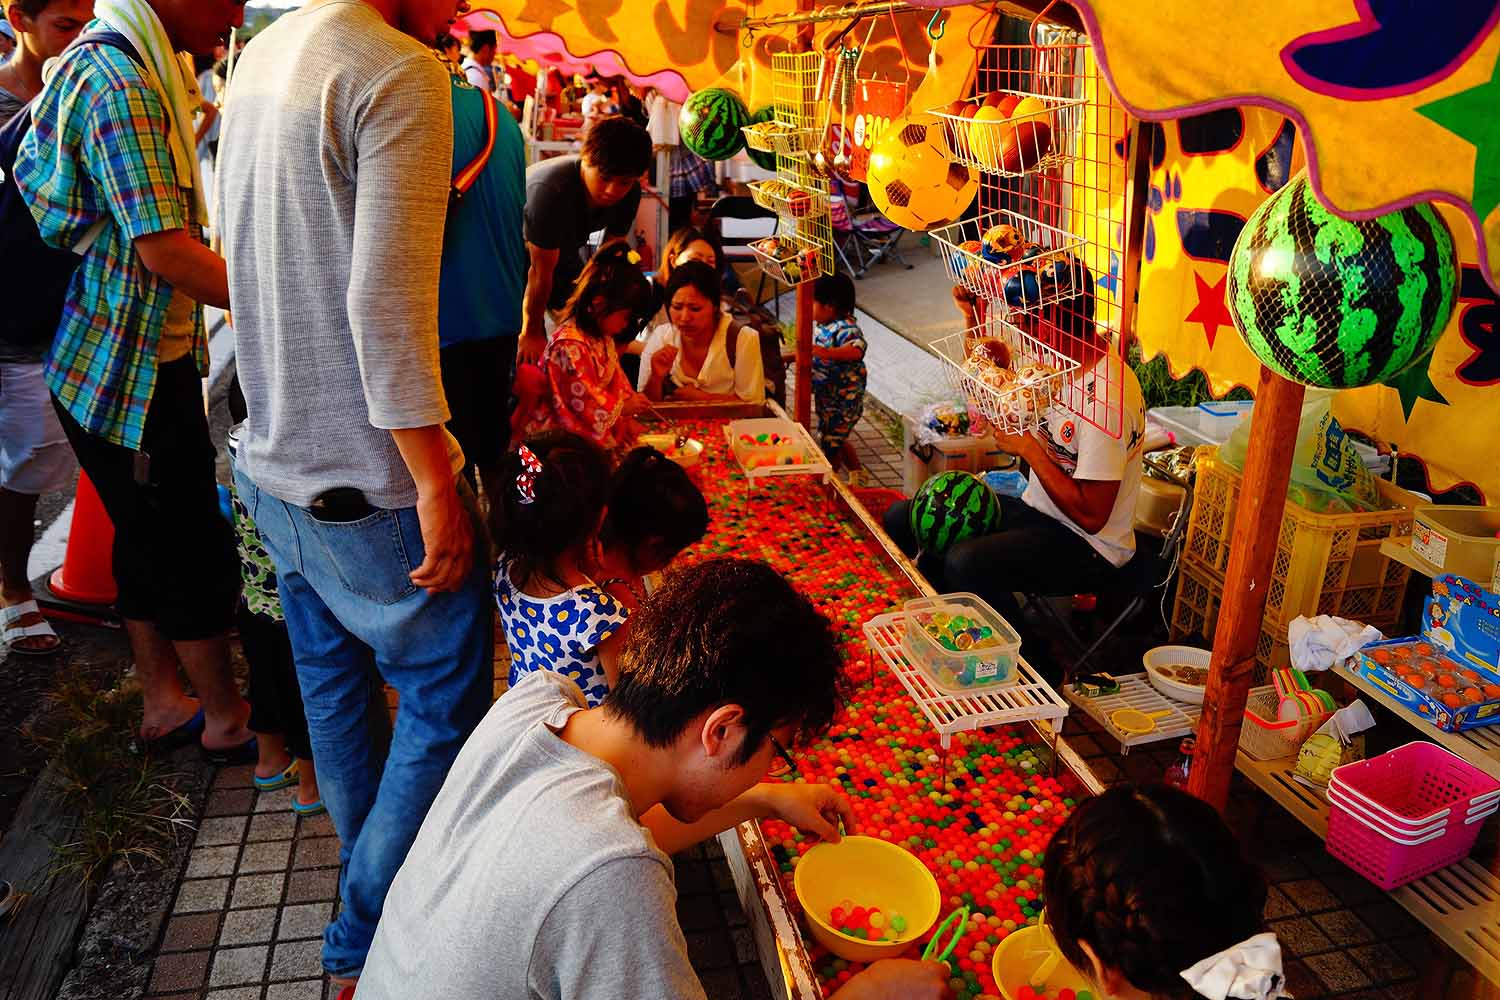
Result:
<point x="1492" y="690"/>
<point x="1447" y="681"/>
<point x="1452" y="700"/>
<point x="1473" y="696"/>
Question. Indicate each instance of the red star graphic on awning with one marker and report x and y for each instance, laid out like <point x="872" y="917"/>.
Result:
<point x="1211" y="310"/>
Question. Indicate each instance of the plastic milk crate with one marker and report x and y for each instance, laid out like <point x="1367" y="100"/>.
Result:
<point x="1325" y="563"/>
<point x="920" y="462"/>
<point x="1196" y="613"/>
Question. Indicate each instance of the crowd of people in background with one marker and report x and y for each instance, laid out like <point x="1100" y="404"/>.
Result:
<point x="425" y="328"/>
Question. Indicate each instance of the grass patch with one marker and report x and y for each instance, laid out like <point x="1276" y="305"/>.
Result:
<point x="1161" y="389"/>
<point x="130" y="804"/>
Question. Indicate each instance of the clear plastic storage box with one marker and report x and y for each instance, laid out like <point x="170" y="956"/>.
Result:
<point x="961" y="642"/>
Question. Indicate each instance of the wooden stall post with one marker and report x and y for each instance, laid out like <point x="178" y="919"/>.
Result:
<point x="1252" y="548"/>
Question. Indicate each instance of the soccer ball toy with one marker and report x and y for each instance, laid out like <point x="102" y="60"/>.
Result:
<point x="952" y="507"/>
<point x="1329" y="302"/>
<point x="912" y="180"/>
<point x="710" y="123"/>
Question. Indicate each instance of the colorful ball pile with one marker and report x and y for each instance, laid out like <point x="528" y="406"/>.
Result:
<point x="978" y="815"/>
<point x="1028" y="992"/>
<point x="866" y="923"/>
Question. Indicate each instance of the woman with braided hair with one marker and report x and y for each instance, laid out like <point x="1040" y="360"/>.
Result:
<point x="1150" y="896"/>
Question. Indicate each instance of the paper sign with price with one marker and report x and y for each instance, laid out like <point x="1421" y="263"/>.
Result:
<point x="876" y="104"/>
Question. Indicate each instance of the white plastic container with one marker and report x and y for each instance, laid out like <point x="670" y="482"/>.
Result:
<point x="960" y="671"/>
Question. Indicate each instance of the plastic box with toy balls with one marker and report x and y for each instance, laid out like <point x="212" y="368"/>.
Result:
<point x="773" y="446"/>
<point x="1395" y="664"/>
<point x="960" y="665"/>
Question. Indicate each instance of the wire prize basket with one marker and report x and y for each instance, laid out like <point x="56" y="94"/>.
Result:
<point x="1013" y="261"/>
<point x="789" y="259"/>
<point x="1011" y="133"/>
<point x="789" y="200"/>
<point x="776" y="137"/>
<point x="1015" y="398"/>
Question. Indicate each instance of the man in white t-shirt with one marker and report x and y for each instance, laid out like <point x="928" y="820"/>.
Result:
<point x="1072" y="531"/>
<point x="480" y="69"/>
<point x="543" y="871"/>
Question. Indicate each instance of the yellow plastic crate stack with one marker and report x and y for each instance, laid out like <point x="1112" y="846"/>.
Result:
<point x="1325" y="564"/>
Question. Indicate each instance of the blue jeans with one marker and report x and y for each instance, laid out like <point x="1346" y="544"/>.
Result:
<point x="353" y="612"/>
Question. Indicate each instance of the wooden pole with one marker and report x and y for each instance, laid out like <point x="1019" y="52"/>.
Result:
<point x="803" y="407"/>
<point x="1252" y="548"/>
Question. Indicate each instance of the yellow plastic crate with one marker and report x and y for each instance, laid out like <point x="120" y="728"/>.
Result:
<point x="1325" y="563"/>
<point x="1195" y="614"/>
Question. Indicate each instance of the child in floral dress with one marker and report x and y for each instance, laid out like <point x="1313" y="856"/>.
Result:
<point x="582" y="388"/>
<point x="555" y="616"/>
<point x="838" y="368"/>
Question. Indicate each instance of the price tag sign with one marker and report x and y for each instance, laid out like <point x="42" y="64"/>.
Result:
<point x="1429" y="544"/>
<point x="876" y="104"/>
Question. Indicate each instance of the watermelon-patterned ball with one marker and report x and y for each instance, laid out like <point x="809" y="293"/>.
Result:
<point x="710" y="123"/>
<point x="951" y="507"/>
<point x="1336" y="303"/>
<point x="766" y="161"/>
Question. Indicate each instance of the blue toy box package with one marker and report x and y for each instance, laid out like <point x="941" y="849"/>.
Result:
<point x="1449" y="675"/>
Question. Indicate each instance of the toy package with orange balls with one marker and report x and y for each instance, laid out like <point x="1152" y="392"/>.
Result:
<point x="1450" y="675"/>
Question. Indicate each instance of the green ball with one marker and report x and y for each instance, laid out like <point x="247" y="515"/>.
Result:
<point x="952" y="507"/>
<point x="766" y="161"/>
<point x="1331" y="302"/>
<point x="710" y="123"/>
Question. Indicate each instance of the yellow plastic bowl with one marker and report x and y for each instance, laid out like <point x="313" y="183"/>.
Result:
<point x="872" y="873"/>
<point x="1022" y="953"/>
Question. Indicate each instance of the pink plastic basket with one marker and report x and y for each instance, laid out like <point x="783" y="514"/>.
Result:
<point x="1417" y="784"/>
<point x="1386" y="861"/>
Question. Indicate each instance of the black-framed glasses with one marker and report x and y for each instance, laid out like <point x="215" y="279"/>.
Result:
<point x="784" y="764"/>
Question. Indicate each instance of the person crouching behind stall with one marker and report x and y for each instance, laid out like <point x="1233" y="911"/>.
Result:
<point x="555" y="616"/>
<point x="582" y="388"/>
<point x="1144" y="930"/>
<point x="653" y="512"/>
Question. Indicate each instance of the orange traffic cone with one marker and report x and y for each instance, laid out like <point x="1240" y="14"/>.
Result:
<point x="87" y="573"/>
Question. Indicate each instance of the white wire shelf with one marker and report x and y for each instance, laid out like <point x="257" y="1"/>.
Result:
<point x="1015" y="145"/>
<point x="1036" y="379"/>
<point x="1136" y="692"/>
<point x="1027" y="700"/>
<point x="1013" y="261"/>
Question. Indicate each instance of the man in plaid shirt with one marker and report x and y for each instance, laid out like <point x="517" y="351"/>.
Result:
<point x="125" y="367"/>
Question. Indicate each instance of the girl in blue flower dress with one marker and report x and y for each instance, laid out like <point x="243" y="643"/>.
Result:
<point x="555" y="616"/>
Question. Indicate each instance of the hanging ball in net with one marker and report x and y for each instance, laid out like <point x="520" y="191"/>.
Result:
<point x="913" y="178"/>
<point x="951" y="507"/>
<point x="710" y="123"/>
<point x="1336" y="303"/>
<point x="766" y="161"/>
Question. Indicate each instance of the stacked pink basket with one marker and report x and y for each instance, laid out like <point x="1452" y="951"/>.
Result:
<point x="1407" y="813"/>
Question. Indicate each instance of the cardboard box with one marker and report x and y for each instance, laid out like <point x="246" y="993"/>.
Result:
<point x="920" y="462"/>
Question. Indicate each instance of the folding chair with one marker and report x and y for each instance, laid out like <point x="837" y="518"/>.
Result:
<point x="740" y="222"/>
<point x="873" y="236"/>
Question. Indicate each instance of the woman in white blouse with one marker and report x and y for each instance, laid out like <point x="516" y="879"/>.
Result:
<point x="702" y="355"/>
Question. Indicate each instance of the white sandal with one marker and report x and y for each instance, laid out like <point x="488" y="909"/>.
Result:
<point x="12" y="632"/>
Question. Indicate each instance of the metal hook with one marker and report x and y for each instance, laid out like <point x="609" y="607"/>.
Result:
<point x="1036" y="22"/>
<point x="934" y="28"/>
<point x="836" y="39"/>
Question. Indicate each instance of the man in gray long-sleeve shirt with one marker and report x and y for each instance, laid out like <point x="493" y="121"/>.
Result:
<point x="333" y="192"/>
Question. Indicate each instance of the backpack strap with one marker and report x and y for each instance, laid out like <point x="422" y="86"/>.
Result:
<point x="732" y="339"/>
<point x="465" y="178"/>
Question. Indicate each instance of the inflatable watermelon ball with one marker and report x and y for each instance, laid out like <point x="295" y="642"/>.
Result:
<point x="913" y="179"/>
<point x="766" y="161"/>
<point x="1331" y="302"/>
<point x="952" y="507"/>
<point x="710" y="123"/>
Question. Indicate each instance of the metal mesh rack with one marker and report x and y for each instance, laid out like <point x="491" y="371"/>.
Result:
<point x="1037" y="378"/>
<point x="1043" y="134"/>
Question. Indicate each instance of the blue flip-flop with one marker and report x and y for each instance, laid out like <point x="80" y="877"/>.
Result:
<point x="189" y="732"/>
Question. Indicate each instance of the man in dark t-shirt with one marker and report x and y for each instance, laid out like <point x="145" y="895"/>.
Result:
<point x="567" y="199"/>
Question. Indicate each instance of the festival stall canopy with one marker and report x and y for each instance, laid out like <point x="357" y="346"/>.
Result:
<point x="700" y="42"/>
